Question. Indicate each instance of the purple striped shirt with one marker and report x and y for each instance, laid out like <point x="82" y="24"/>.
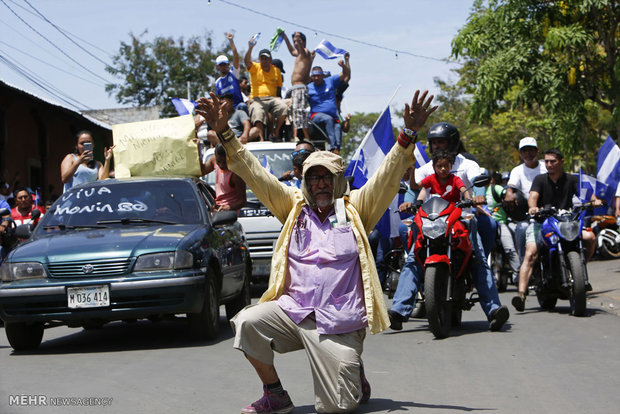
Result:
<point x="324" y="275"/>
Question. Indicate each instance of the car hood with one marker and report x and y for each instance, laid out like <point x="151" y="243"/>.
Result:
<point x="92" y="244"/>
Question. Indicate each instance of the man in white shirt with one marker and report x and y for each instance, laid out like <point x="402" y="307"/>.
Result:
<point x="521" y="178"/>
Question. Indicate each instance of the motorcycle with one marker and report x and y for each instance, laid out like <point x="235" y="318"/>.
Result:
<point x="606" y="229"/>
<point x="13" y="235"/>
<point x="444" y="250"/>
<point x="560" y="271"/>
<point x="500" y="267"/>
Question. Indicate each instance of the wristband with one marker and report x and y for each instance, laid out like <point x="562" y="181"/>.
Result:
<point x="226" y="135"/>
<point x="410" y="133"/>
<point x="405" y="140"/>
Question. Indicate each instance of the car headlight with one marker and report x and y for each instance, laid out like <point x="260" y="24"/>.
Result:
<point x="569" y="230"/>
<point x="161" y="261"/>
<point x="21" y="270"/>
<point x="434" y="228"/>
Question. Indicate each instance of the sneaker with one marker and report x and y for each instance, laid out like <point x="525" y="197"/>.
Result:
<point x="365" y="386"/>
<point x="498" y="318"/>
<point x="519" y="303"/>
<point x="396" y="320"/>
<point x="270" y="404"/>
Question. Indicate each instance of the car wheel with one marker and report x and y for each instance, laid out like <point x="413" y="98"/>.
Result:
<point x="242" y="300"/>
<point x="24" y="336"/>
<point x="206" y="323"/>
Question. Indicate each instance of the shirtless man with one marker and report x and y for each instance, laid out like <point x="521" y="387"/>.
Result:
<point x="300" y="78"/>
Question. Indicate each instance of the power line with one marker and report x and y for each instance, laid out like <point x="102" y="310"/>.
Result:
<point x="64" y="34"/>
<point x="64" y="30"/>
<point x="32" y="77"/>
<point x="50" y="42"/>
<point x="396" y="51"/>
<point x="49" y="64"/>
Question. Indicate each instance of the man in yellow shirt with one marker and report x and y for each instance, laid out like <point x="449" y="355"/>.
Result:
<point x="266" y="81"/>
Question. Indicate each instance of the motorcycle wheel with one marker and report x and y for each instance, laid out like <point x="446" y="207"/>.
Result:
<point x="501" y="278"/>
<point x="578" y="297"/>
<point x="438" y="308"/>
<point x="609" y="249"/>
<point x="546" y="302"/>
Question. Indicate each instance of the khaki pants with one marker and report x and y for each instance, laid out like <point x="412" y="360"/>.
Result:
<point x="334" y="359"/>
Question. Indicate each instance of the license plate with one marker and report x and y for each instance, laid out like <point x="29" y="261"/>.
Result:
<point x="88" y="297"/>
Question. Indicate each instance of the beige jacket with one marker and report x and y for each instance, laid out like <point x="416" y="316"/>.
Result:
<point x="364" y="208"/>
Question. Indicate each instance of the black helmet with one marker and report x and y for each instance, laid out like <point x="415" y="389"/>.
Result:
<point x="445" y="130"/>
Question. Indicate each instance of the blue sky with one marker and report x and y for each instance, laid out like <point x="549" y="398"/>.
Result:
<point x="418" y="27"/>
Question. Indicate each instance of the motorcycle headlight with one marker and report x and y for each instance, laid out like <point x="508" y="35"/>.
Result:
<point x="569" y="230"/>
<point x="23" y="270"/>
<point x="434" y="228"/>
<point x="162" y="261"/>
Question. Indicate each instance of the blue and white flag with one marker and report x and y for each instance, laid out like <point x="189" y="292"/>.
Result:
<point x="420" y="155"/>
<point x="589" y="185"/>
<point x="266" y="165"/>
<point x="183" y="106"/>
<point x="608" y="168"/>
<point x="366" y="161"/>
<point x="328" y="51"/>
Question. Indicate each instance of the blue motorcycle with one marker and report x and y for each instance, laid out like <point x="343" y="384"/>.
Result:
<point x="561" y="271"/>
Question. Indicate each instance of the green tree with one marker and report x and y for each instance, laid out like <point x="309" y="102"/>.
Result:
<point x="557" y="59"/>
<point x="152" y="72"/>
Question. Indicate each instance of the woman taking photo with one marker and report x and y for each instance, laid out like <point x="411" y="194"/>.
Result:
<point x="80" y="167"/>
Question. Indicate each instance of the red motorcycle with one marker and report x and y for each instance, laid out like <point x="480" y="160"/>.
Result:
<point x="444" y="251"/>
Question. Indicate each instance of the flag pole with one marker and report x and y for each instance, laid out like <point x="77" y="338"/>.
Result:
<point x="373" y="127"/>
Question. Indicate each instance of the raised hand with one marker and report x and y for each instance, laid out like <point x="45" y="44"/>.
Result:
<point x="210" y="109"/>
<point x="416" y="115"/>
<point x="108" y="152"/>
<point x="229" y="35"/>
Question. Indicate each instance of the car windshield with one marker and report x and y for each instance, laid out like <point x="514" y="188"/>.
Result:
<point x="278" y="161"/>
<point x="123" y="203"/>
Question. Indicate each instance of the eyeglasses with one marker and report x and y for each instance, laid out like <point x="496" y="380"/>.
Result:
<point x="314" y="179"/>
<point x="301" y="151"/>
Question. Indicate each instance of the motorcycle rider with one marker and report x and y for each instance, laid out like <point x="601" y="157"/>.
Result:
<point x="555" y="188"/>
<point x="445" y="136"/>
<point x="521" y="178"/>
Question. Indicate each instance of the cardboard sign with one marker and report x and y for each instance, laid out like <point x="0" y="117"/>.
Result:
<point x="155" y="148"/>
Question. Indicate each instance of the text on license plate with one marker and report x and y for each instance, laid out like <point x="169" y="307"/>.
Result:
<point x="88" y="297"/>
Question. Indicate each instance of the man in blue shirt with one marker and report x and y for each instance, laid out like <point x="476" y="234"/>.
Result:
<point x="228" y="82"/>
<point x="322" y="96"/>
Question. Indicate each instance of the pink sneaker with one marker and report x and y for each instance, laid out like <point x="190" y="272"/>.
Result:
<point x="270" y="404"/>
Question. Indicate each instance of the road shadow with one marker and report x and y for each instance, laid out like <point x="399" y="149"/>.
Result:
<point x="466" y="328"/>
<point x="124" y="336"/>
<point x="387" y="405"/>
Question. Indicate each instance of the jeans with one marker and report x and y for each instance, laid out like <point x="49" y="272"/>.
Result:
<point x="520" y="229"/>
<point x="331" y="127"/>
<point x="487" y="227"/>
<point x="380" y="246"/>
<point x="412" y="273"/>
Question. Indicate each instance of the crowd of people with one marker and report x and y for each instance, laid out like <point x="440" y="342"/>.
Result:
<point x="325" y="290"/>
<point x="260" y="110"/>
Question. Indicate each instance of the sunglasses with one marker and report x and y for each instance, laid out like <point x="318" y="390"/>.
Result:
<point x="301" y="151"/>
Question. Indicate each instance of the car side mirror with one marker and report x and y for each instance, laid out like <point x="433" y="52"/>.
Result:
<point x="223" y="218"/>
<point x="482" y="181"/>
<point x="36" y="213"/>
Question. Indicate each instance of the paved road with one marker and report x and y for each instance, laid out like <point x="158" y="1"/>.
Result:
<point x="541" y="363"/>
